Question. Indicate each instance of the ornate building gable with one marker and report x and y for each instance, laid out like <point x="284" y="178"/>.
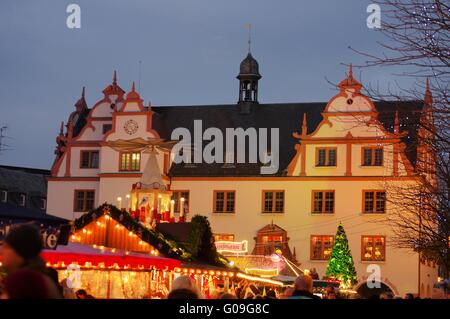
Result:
<point x="132" y="120"/>
<point x="115" y="116"/>
<point x="349" y="130"/>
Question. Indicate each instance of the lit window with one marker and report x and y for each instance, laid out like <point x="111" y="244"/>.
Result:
<point x="176" y="196"/>
<point x="273" y="201"/>
<point x="326" y="156"/>
<point x="321" y="247"/>
<point x="224" y="201"/>
<point x="223" y="237"/>
<point x="373" y="248"/>
<point x="272" y="239"/>
<point x="323" y="202"/>
<point x="130" y="161"/>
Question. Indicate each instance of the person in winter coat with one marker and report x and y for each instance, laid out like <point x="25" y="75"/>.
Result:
<point x="21" y="251"/>
<point x="303" y="288"/>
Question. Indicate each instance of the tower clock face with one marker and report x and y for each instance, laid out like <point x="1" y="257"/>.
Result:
<point x="131" y="127"/>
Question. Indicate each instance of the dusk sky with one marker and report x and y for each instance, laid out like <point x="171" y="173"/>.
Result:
<point x="190" y="52"/>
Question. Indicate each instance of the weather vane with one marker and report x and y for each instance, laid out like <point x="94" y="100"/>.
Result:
<point x="249" y="26"/>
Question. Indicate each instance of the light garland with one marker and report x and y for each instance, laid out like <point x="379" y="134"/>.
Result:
<point x="204" y="272"/>
<point x="259" y="279"/>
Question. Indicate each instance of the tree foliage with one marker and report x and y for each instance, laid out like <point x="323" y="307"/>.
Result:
<point x="340" y="264"/>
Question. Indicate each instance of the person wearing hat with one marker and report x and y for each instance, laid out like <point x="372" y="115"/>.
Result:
<point x="21" y="251"/>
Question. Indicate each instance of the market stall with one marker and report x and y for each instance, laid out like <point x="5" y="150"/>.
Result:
<point x="112" y="248"/>
<point x="112" y="273"/>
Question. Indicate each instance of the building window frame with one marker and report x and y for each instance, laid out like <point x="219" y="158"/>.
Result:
<point x="86" y="202"/>
<point x="365" y="240"/>
<point x="323" y="248"/>
<point x="131" y="164"/>
<point x="91" y="161"/>
<point x="224" y="237"/>
<point x="228" y="200"/>
<point x="22" y="200"/>
<point x="378" y="200"/>
<point x="326" y="160"/>
<point x="376" y="156"/>
<point x="176" y="195"/>
<point x="324" y="200"/>
<point x="3" y="196"/>
<point x="277" y="200"/>
<point x="43" y="203"/>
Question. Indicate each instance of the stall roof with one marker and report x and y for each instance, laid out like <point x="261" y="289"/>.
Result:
<point x="82" y="254"/>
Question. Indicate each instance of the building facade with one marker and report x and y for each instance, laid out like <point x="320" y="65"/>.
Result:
<point x="336" y="162"/>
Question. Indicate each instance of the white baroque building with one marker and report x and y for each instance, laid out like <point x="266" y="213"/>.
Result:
<point x="335" y="161"/>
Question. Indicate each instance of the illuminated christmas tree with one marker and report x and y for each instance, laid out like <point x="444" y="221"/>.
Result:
<point x="340" y="265"/>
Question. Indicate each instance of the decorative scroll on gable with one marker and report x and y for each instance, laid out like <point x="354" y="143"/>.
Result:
<point x="350" y="123"/>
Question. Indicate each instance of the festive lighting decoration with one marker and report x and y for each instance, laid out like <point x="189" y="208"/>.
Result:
<point x="340" y="264"/>
<point x="259" y="279"/>
<point x="263" y="272"/>
<point x="167" y="247"/>
<point x="182" y="207"/>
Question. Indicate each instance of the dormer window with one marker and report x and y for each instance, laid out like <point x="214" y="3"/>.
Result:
<point x="372" y="156"/>
<point x="43" y="204"/>
<point x="326" y="156"/>
<point x="22" y="200"/>
<point x="3" y="196"/>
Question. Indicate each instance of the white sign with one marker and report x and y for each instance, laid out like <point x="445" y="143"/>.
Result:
<point x="235" y="247"/>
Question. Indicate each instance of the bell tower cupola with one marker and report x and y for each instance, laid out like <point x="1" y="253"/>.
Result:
<point x="248" y="81"/>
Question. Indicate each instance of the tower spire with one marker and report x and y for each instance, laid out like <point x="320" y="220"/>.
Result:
<point x="61" y="129"/>
<point x="249" y="26"/>
<point x="248" y="80"/>
<point x="115" y="78"/>
<point x="349" y="82"/>
<point x="81" y="103"/>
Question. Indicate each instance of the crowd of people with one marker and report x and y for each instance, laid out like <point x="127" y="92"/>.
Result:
<point x="184" y="287"/>
<point x="28" y="277"/>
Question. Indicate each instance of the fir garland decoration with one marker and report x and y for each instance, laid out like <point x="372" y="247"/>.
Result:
<point x="168" y="247"/>
<point x="201" y="242"/>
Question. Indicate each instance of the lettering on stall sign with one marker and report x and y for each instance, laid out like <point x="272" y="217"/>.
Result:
<point x="50" y="236"/>
<point x="50" y="240"/>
